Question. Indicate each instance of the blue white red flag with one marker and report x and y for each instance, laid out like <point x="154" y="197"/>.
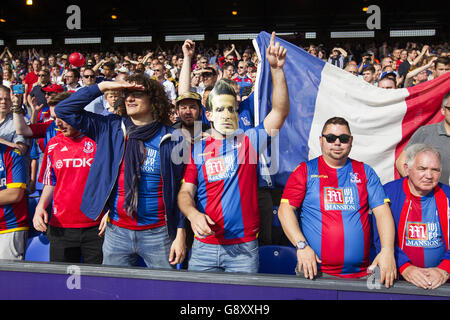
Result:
<point x="381" y="120"/>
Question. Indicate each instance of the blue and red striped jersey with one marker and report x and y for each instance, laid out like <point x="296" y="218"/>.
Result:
<point x="422" y="225"/>
<point x="334" y="215"/>
<point x="151" y="209"/>
<point x="13" y="217"/>
<point x="66" y="165"/>
<point x="225" y="173"/>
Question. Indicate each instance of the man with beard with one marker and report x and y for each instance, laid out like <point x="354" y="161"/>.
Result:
<point x="335" y="194"/>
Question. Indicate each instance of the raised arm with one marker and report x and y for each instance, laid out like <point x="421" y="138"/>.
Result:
<point x="184" y="84"/>
<point x="276" y="56"/>
<point x="20" y="125"/>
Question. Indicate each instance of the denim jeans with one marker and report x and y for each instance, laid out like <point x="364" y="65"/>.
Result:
<point x="242" y="257"/>
<point x="122" y="247"/>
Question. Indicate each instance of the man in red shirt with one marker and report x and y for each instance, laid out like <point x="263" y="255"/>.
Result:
<point x="31" y="78"/>
<point x="65" y="168"/>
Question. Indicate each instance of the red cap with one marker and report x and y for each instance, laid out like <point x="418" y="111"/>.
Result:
<point x="53" y="88"/>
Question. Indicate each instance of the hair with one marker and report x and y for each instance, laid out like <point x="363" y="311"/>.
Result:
<point x="370" y="68"/>
<point x="5" y="88"/>
<point x="388" y="78"/>
<point x="57" y="98"/>
<point x="336" y="120"/>
<point x="413" y="150"/>
<point x="159" y="102"/>
<point x="75" y="72"/>
<point x="120" y="108"/>
<point x="226" y="65"/>
<point x="110" y="64"/>
<point x="88" y="69"/>
<point x="222" y="87"/>
<point x="442" y="60"/>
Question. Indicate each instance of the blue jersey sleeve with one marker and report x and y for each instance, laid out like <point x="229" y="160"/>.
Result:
<point x="376" y="194"/>
<point x="15" y="168"/>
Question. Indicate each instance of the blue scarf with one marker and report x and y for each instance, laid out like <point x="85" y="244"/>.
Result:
<point x="134" y="157"/>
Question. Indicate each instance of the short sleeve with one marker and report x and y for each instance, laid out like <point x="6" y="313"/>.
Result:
<point x="376" y="194"/>
<point x="15" y="169"/>
<point x="191" y="173"/>
<point x="295" y="189"/>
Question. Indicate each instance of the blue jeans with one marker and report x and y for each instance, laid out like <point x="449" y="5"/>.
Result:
<point x="242" y="257"/>
<point x="122" y="247"/>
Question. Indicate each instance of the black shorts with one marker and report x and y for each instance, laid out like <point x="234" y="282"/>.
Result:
<point x="75" y="245"/>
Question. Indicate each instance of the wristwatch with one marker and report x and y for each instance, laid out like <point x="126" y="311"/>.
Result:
<point x="302" y="245"/>
<point x="17" y="109"/>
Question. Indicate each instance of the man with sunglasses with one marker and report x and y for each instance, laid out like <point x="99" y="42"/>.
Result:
<point x="436" y="135"/>
<point x="89" y="78"/>
<point x="335" y="194"/>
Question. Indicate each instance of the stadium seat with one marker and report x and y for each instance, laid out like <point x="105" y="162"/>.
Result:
<point x="277" y="259"/>
<point x="38" y="249"/>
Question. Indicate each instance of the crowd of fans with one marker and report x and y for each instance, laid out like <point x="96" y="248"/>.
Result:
<point x="370" y="62"/>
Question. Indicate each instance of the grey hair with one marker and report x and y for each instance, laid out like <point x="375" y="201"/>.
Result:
<point x="413" y="150"/>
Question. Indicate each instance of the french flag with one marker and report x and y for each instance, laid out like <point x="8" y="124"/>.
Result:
<point x="382" y="121"/>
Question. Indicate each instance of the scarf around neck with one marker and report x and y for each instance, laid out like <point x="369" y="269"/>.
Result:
<point x="134" y="157"/>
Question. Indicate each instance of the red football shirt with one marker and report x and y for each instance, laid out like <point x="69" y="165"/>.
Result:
<point x="66" y="166"/>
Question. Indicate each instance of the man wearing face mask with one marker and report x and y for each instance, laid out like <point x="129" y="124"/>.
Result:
<point x="222" y="176"/>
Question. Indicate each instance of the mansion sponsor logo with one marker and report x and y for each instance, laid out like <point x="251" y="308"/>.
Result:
<point x="339" y="199"/>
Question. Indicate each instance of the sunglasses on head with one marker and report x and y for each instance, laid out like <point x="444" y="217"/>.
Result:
<point x="331" y="138"/>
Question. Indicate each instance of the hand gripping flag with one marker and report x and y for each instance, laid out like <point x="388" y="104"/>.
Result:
<point x="382" y="121"/>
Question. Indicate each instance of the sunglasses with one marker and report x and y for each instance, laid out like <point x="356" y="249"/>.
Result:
<point x="89" y="76"/>
<point x="447" y="107"/>
<point x="331" y="138"/>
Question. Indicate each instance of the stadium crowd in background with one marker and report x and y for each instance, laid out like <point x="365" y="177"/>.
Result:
<point x="187" y="78"/>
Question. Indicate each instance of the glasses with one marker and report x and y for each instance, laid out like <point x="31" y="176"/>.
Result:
<point x="331" y="138"/>
<point x="43" y="75"/>
<point x="89" y="76"/>
<point x="207" y="75"/>
<point x="157" y="70"/>
<point x="447" y="107"/>
<point x="134" y="94"/>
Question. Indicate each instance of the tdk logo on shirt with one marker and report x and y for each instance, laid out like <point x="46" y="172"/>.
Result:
<point x="2" y="168"/>
<point x="339" y="199"/>
<point x="74" y="163"/>
<point x="424" y="235"/>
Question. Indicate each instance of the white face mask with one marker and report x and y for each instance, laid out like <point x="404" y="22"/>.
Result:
<point x="223" y="116"/>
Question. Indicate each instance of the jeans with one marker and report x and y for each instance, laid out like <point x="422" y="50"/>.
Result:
<point x="122" y="247"/>
<point x="242" y="257"/>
